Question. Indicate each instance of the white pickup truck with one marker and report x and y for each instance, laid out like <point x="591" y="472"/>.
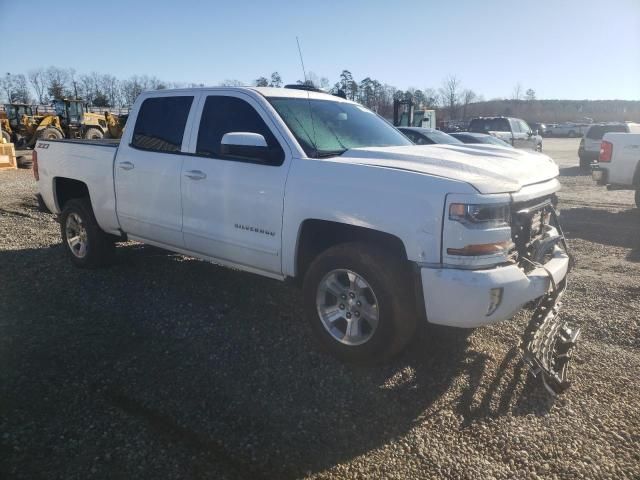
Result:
<point x="295" y="184"/>
<point x="618" y="165"/>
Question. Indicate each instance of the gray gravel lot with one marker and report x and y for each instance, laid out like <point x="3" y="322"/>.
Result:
<point x="167" y="367"/>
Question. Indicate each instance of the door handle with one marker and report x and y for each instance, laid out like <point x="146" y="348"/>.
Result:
<point x="126" y="165"/>
<point x="195" y="174"/>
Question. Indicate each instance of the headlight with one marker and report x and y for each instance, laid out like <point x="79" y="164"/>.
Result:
<point x="480" y="215"/>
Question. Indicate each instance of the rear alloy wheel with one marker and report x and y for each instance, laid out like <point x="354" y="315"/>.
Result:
<point x="86" y="243"/>
<point x="358" y="300"/>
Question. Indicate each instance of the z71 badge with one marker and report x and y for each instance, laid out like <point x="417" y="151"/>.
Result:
<point x="43" y="146"/>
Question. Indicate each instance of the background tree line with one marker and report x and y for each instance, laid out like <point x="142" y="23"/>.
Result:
<point x="451" y="98"/>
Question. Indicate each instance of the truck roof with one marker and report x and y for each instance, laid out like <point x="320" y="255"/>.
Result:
<point x="268" y="92"/>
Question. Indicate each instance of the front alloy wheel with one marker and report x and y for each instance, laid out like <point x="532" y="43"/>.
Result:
<point x="348" y="307"/>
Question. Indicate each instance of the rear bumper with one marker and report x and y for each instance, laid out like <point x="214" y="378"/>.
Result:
<point x="466" y="298"/>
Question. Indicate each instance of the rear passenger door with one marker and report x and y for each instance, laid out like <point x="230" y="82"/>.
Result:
<point x="232" y="206"/>
<point x="147" y="170"/>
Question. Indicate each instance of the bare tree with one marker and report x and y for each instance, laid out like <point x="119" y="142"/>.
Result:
<point x="468" y="96"/>
<point x="6" y="83"/>
<point x="450" y="93"/>
<point x="39" y="84"/>
<point x="517" y="92"/>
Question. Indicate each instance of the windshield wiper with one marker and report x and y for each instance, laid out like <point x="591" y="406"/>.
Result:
<point x="329" y="153"/>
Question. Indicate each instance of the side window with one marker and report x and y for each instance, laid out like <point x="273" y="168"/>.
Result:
<point x="160" y="123"/>
<point x="524" y="126"/>
<point x="515" y="126"/>
<point x="222" y="115"/>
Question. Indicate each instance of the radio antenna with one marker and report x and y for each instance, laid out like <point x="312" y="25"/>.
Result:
<point x="304" y="72"/>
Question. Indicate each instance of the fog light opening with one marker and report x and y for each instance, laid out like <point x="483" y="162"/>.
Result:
<point x="495" y="299"/>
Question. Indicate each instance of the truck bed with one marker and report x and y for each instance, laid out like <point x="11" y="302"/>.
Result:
<point x="87" y="162"/>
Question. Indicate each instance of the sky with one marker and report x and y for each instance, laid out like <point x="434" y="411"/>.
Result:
<point x="568" y="49"/>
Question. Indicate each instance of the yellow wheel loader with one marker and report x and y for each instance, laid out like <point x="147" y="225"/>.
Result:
<point x="23" y="128"/>
<point x="77" y="122"/>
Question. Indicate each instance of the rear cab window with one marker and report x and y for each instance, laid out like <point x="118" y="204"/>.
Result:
<point x="596" y="132"/>
<point x="160" y="123"/>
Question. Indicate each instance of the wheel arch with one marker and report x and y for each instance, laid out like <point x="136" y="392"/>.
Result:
<point x="317" y="235"/>
<point x="65" y="189"/>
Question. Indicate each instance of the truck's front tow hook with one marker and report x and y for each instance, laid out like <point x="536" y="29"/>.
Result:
<point x="548" y="342"/>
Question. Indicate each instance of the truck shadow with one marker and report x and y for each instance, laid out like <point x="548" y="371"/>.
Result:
<point x="618" y="229"/>
<point x="221" y="363"/>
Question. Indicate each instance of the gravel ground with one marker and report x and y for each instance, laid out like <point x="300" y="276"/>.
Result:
<point x="167" y="367"/>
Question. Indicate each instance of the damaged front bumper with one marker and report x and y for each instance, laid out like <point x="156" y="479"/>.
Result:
<point x="548" y="342"/>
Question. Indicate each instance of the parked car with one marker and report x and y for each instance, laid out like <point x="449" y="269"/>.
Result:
<point x="512" y="130"/>
<point x="302" y="185"/>
<point x="477" y="138"/>
<point x="427" y="136"/>
<point x="568" y="129"/>
<point x="589" y="148"/>
<point x="618" y="165"/>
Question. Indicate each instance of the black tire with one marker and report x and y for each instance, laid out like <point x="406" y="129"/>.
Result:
<point x="24" y="162"/>
<point x="539" y="147"/>
<point x="585" y="163"/>
<point x="93" y="134"/>
<point x="50" y="133"/>
<point x="99" y="246"/>
<point x="638" y="197"/>
<point x="6" y="136"/>
<point x="391" y="283"/>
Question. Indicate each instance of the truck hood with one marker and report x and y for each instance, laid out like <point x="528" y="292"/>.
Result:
<point x="488" y="168"/>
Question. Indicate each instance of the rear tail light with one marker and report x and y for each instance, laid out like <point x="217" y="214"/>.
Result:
<point x="606" y="151"/>
<point x="34" y="159"/>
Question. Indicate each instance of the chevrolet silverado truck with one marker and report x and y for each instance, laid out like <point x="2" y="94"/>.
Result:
<point x="618" y="165"/>
<point x="296" y="184"/>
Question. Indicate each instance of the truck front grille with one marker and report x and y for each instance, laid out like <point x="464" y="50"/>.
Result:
<point x="528" y="227"/>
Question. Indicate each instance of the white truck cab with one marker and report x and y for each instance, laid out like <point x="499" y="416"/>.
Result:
<point x="289" y="183"/>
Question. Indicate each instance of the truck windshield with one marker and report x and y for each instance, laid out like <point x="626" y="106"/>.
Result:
<point x="325" y="128"/>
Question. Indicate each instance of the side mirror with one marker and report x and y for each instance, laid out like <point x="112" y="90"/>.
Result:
<point x="244" y="145"/>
